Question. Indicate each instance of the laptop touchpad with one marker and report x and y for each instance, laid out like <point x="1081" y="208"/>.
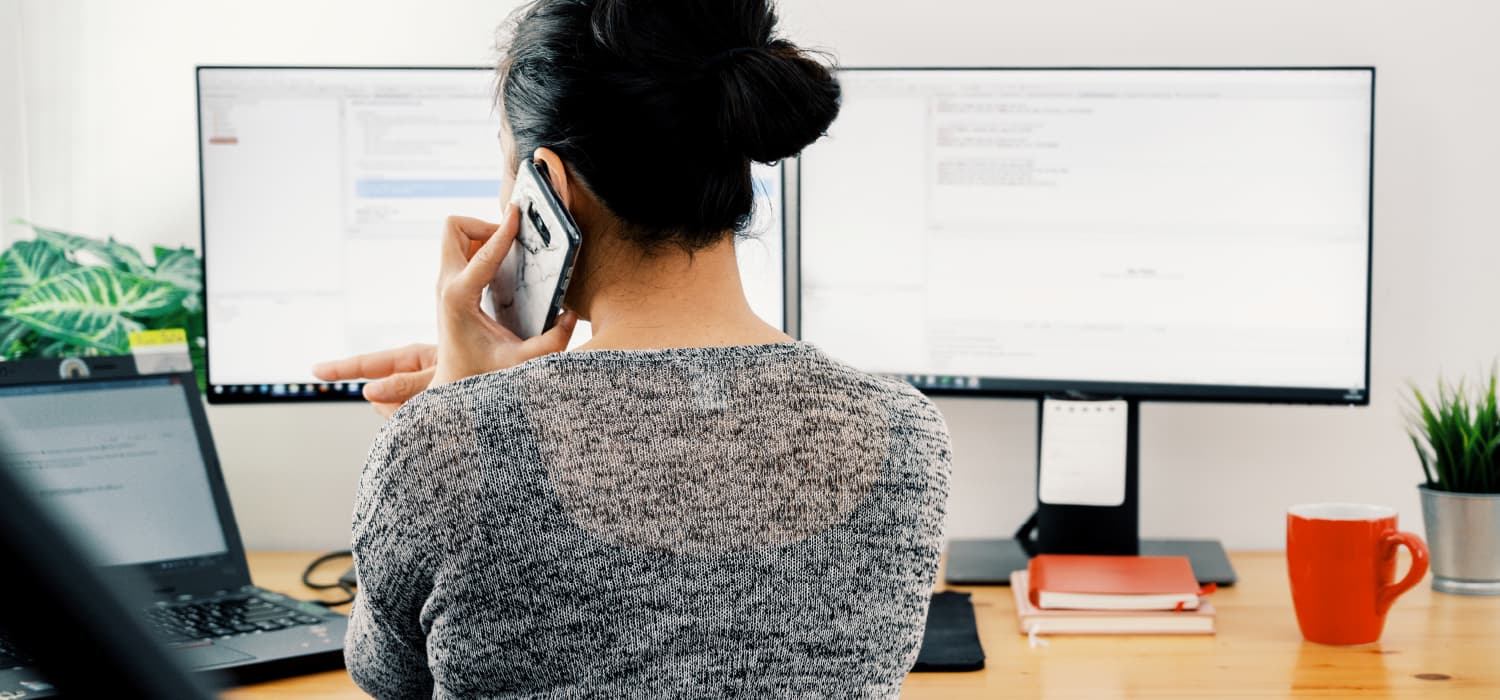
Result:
<point x="209" y="654"/>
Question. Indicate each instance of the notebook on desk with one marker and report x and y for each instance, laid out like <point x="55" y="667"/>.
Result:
<point x="126" y="463"/>
<point x="1034" y="620"/>
<point x="1112" y="582"/>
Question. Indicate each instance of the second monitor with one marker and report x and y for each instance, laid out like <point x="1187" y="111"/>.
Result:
<point x="1121" y="233"/>
<point x="1162" y="233"/>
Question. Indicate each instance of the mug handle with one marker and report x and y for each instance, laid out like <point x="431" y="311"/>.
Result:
<point x="1389" y="592"/>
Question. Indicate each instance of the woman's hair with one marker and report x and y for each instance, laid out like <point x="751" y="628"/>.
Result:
<point x="659" y="106"/>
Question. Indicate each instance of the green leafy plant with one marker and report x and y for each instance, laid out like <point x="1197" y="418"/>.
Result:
<point x="1457" y="436"/>
<point x="65" y="295"/>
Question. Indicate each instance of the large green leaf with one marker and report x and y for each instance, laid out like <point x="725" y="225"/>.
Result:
<point x="13" y="337"/>
<point x="25" y="265"/>
<point x="95" y="307"/>
<point x="180" y="266"/>
<point x="114" y="254"/>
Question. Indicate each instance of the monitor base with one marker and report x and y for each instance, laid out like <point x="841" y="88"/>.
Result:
<point x="990" y="562"/>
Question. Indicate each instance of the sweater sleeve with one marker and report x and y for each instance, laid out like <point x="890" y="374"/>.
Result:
<point x="394" y="536"/>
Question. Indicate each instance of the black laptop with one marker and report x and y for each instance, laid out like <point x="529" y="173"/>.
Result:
<point x="126" y="463"/>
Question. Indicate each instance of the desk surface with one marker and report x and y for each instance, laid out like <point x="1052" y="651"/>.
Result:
<point x="1435" y="646"/>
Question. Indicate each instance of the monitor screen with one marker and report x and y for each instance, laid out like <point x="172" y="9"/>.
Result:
<point x="324" y="194"/>
<point x="119" y="464"/>
<point x="1187" y="233"/>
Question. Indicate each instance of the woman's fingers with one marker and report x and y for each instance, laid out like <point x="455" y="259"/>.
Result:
<point x="397" y="388"/>
<point x="459" y="232"/>
<point x="463" y="288"/>
<point x="463" y="235"/>
<point x="460" y="236"/>
<point x="375" y="365"/>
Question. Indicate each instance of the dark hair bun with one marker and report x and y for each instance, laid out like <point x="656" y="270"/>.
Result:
<point x="776" y="101"/>
<point x="660" y="105"/>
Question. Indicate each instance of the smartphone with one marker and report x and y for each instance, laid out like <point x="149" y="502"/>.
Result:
<point x="527" y="293"/>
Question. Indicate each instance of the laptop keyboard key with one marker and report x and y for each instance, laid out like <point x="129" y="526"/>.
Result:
<point x="223" y="617"/>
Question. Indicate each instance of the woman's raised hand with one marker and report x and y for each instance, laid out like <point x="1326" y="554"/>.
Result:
<point x="470" y="341"/>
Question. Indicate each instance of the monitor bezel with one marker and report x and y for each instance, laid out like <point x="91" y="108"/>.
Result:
<point x="1003" y="387"/>
<point x="218" y="393"/>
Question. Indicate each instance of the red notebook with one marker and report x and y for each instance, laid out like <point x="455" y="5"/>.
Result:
<point x="1043" y="622"/>
<point x="1093" y="582"/>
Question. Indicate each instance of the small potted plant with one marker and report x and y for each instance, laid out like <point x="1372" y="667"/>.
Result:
<point x="1457" y="436"/>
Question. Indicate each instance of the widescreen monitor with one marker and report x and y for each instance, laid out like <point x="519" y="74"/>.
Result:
<point x="1155" y="233"/>
<point x="324" y="192"/>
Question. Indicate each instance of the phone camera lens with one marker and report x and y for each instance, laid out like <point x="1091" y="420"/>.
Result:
<point x="541" y="228"/>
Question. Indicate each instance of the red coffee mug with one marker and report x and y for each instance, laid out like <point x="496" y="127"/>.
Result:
<point x="1341" y="558"/>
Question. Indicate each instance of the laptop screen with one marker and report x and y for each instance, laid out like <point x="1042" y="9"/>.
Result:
<point x="118" y="461"/>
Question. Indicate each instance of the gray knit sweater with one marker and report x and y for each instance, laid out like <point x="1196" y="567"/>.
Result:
<point x="750" y="521"/>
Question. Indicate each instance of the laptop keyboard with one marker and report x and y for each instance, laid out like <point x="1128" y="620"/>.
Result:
<point x="222" y="617"/>
<point x="186" y="622"/>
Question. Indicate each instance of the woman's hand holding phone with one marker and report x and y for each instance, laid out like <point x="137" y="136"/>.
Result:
<point x="470" y="341"/>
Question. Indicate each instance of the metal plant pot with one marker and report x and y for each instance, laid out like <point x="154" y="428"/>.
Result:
<point x="1463" y="532"/>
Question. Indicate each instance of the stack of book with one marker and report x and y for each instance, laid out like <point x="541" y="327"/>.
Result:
<point x="1088" y="594"/>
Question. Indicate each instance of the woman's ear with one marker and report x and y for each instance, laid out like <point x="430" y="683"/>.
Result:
<point x="557" y="173"/>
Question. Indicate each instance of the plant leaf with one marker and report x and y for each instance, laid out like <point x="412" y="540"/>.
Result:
<point x="114" y="254"/>
<point x="1457" y="435"/>
<point x="95" y="307"/>
<point x="12" y="336"/>
<point x="61" y="348"/>
<point x="1426" y="466"/>
<point x="25" y="265"/>
<point x="181" y="267"/>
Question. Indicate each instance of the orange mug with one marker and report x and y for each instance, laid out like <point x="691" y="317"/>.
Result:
<point x="1341" y="558"/>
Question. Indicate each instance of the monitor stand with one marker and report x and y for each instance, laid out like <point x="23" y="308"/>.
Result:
<point x="1069" y="529"/>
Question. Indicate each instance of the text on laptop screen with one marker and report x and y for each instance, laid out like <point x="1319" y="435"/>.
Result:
<point x="118" y="462"/>
<point x="324" y="196"/>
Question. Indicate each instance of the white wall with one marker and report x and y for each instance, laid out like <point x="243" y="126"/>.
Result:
<point x="12" y="129"/>
<point x="111" y="149"/>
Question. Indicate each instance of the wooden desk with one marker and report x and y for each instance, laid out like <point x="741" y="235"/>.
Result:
<point x="1435" y="646"/>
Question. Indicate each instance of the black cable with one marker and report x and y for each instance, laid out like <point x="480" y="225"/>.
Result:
<point x="340" y="584"/>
